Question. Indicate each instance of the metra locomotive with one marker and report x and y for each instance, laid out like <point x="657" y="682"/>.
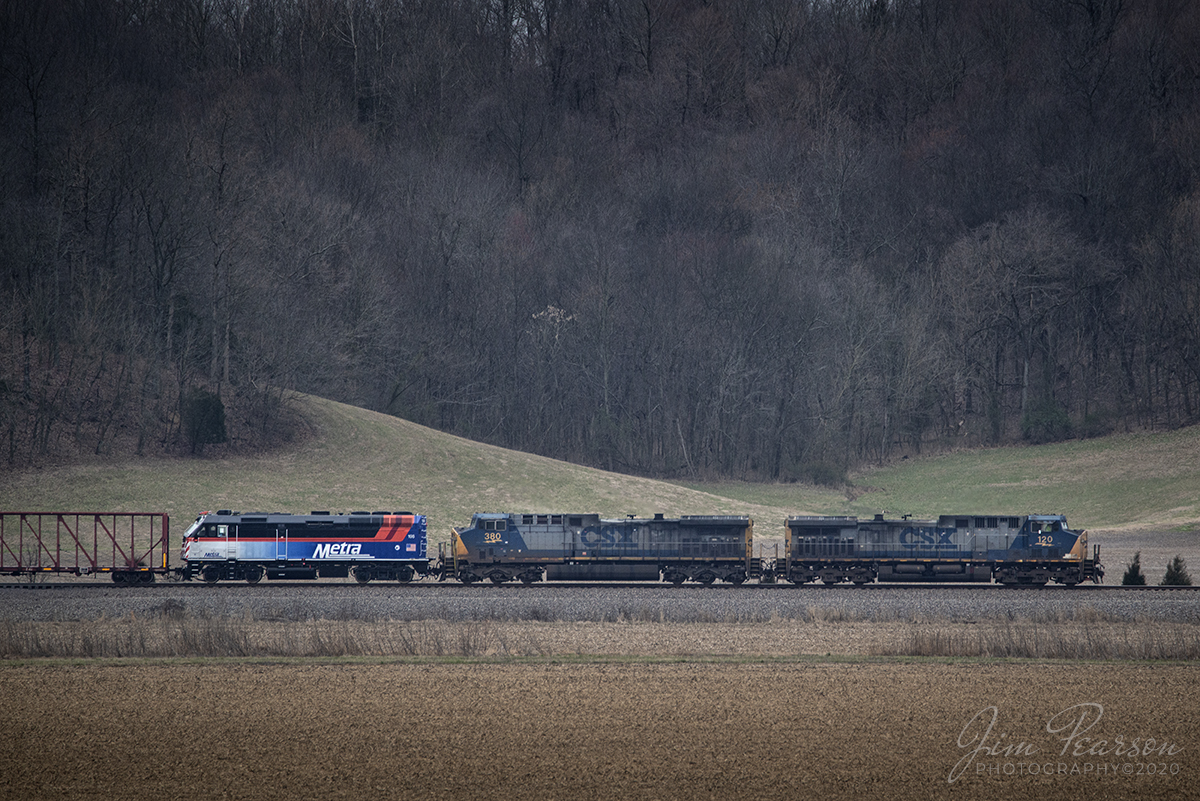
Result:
<point x="391" y="546"/>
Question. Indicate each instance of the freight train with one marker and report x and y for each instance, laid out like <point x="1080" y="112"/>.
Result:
<point x="1015" y="549"/>
<point x="1029" y="550"/>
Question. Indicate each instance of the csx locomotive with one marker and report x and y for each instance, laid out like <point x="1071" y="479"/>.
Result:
<point x="500" y="547"/>
<point x="1023" y="549"/>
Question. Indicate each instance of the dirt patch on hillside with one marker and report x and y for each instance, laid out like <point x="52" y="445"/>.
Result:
<point x="597" y="730"/>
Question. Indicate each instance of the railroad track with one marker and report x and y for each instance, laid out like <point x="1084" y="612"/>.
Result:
<point x="516" y="586"/>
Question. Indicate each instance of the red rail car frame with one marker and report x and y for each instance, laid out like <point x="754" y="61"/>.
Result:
<point x="131" y="546"/>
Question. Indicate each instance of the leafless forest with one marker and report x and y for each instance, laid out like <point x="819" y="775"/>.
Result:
<point x="765" y="239"/>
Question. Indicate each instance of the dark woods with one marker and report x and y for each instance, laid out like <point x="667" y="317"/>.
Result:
<point x="762" y="239"/>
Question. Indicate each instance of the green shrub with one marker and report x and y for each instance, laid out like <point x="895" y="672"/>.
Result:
<point x="203" y="419"/>
<point x="824" y="474"/>
<point x="1095" y="425"/>
<point x="1046" y="421"/>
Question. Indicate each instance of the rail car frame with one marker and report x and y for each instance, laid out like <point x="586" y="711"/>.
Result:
<point x="132" y="547"/>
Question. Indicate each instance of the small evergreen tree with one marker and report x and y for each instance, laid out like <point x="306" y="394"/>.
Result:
<point x="1177" y="574"/>
<point x="204" y="419"/>
<point x="1133" y="574"/>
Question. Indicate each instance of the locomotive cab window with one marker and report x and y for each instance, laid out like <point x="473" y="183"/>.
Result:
<point x="495" y="525"/>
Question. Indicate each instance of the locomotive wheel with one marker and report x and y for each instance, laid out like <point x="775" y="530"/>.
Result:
<point x="498" y="578"/>
<point x="675" y="577"/>
<point x="211" y="574"/>
<point x="254" y="575"/>
<point x="362" y="575"/>
<point x="404" y="575"/>
<point x="706" y="578"/>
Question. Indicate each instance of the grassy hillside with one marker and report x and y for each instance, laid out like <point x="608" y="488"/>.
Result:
<point x="357" y="459"/>
<point x="1129" y="481"/>
<point x="1136" y="493"/>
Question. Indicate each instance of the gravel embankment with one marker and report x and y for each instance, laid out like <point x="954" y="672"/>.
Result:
<point x="596" y="604"/>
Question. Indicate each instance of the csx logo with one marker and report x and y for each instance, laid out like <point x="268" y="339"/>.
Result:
<point x="926" y="538"/>
<point x="616" y="537"/>
<point x="331" y="549"/>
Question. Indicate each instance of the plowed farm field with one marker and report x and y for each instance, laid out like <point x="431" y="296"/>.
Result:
<point x="599" y="729"/>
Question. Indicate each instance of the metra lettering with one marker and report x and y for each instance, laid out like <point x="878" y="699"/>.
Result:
<point x="926" y="538"/>
<point x="331" y="549"/>
<point x="616" y="537"/>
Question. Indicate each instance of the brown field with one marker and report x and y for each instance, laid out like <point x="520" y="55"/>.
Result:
<point x="577" y="726"/>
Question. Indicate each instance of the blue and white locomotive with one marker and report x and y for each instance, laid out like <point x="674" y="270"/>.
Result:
<point x="1016" y="550"/>
<point x="226" y="545"/>
<point x="502" y="547"/>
